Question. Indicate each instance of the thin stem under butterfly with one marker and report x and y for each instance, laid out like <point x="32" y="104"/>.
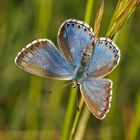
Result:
<point x="86" y="113"/>
<point x="76" y="119"/>
<point x="96" y="30"/>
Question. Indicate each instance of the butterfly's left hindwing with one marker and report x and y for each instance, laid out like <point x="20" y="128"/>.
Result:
<point x="42" y="58"/>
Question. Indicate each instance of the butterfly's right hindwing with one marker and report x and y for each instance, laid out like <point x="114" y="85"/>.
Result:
<point x="97" y="94"/>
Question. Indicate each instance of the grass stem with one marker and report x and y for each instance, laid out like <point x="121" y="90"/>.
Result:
<point x="87" y="19"/>
<point x="76" y="119"/>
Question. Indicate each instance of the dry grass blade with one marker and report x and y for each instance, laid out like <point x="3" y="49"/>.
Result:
<point x="99" y="19"/>
<point x="123" y="10"/>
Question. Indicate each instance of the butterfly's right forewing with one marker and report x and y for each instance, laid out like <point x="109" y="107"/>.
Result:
<point x="74" y="37"/>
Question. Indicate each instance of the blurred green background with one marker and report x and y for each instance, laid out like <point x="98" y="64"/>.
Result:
<point x="27" y="111"/>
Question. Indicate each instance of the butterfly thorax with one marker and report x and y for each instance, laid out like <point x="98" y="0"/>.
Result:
<point x="80" y="74"/>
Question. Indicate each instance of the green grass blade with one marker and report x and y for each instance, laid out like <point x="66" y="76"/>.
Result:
<point x="33" y="102"/>
<point x="69" y="114"/>
<point x="88" y="14"/>
<point x="34" y="98"/>
<point x="110" y="120"/>
<point x="82" y="124"/>
<point x="86" y="113"/>
<point x="76" y="120"/>
<point x="134" y="127"/>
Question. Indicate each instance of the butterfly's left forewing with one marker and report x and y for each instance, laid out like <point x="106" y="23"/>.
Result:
<point x="42" y="58"/>
<point x="96" y="91"/>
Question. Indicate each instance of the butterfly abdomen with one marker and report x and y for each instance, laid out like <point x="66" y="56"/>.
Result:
<point x="87" y="55"/>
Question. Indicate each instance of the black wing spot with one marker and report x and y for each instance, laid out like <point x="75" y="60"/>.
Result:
<point x="68" y="25"/>
<point x="72" y="24"/>
<point x="85" y="29"/>
<point x="79" y="26"/>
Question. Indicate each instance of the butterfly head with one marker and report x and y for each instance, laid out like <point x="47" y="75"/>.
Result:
<point x="75" y="84"/>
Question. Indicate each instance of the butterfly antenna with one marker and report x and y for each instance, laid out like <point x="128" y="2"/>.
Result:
<point x="59" y="88"/>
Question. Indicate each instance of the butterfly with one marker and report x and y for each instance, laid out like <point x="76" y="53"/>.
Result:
<point x="80" y="57"/>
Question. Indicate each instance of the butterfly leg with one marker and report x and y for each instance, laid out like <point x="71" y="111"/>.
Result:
<point x="77" y="98"/>
<point x="75" y="84"/>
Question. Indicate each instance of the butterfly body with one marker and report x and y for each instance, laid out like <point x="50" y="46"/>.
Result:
<point x="79" y="58"/>
<point x="81" y="75"/>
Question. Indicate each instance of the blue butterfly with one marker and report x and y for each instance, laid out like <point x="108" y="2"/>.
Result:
<point x="81" y="58"/>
